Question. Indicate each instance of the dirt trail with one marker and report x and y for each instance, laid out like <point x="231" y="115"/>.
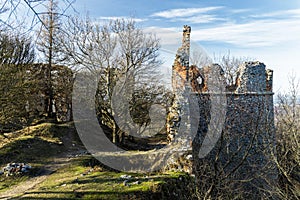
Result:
<point x="57" y="163"/>
<point x="48" y="169"/>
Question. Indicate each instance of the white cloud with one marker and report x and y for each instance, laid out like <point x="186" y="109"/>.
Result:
<point x="199" y="19"/>
<point x="283" y="13"/>
<point x="168" y="36"/>
<point x="235" y="11"/>
<point x="102" y="18"/>
<point x="270" y="37"/>
<point x="185" y="12"/>
<point x="251" y="33"/>
<point x="256" y="33"/>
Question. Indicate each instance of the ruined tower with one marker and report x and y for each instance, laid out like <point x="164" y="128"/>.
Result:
<point x="244" y="152"/>
<point x="181" y="87"/>
<point x="180" y="67"/>
<point x="186" y="44"/>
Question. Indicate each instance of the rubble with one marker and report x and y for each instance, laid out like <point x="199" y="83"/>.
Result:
<point x="128" y="180"/>
<point x="15" y="168"/>
<point x="125" y="176"/>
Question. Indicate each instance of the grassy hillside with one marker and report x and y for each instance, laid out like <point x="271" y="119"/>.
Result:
<point x="62" y="169"/>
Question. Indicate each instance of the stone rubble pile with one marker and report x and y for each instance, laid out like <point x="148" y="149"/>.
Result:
<point x="128" y="180"/>
<point x="15" y="168"/>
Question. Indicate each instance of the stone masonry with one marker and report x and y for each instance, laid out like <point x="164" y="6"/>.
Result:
<point x="180" y="84"/>
<point x="245" y="149"/>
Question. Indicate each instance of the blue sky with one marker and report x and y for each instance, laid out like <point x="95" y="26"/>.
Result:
<point x="266" y="30"/>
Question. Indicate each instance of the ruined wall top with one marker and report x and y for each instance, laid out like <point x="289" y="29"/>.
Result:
<point x="186" y="39"/>
<point x="252" y="77"/>
<point x="182" y="59"/>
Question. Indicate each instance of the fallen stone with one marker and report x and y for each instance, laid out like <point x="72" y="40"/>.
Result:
<point x="125" y="176"/>
<point x="136" y="183"/>
<point x="15" y="168"/>
<point x="189" y="157"/>
<point x="125" y="183"/>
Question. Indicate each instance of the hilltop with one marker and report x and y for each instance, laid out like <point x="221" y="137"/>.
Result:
<point x="63" y="169"/>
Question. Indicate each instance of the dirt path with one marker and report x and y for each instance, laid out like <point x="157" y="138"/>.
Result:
<point x="47" y="170"/>
<point x="57" y="163"/>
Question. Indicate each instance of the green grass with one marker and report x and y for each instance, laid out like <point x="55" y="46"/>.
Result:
<point x="7" y="182"/>
<point x="36" y="146"/>
<point x="70" y="183"/>
<point x="83" y="177"/>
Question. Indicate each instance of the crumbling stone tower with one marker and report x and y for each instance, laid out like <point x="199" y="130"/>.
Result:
<point x="244" y="153"/>
<point x="181" y="86"/>
<point x="180" y="67"/>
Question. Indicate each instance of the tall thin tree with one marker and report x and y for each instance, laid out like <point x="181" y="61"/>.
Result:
<point x="48" y="47"/>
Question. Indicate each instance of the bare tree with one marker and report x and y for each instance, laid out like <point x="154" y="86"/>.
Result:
<point x="199" y="58"/>
<point x="111" y="51"/>
<point x="48" y="46"/>
<point x="287" y="119"/>
<point x="230" y="65"/>
<point x="34" y="10"/>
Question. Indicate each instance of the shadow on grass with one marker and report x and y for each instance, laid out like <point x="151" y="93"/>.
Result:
<point x="34" y="151"/>
<point x="29" y="150"/>
<point x="172" y="188"/>
<point x="100" y="180"/>
<point x="93" y="195"/>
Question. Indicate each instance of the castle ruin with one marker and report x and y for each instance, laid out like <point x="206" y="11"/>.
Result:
<point x="245" y="150"/>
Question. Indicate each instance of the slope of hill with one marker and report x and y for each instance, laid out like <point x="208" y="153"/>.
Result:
<point x="63" y="169"/>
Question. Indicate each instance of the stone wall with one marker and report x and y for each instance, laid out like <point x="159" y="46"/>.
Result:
<point x="62" y="84"/>
<point x="181" y="87"/>
<point x="244" y="153"/>
<point x="252" y="77"/>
